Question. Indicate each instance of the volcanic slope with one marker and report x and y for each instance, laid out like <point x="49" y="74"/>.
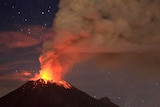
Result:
<point x="43" y="93"/>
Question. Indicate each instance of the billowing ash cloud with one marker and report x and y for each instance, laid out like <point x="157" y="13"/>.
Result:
<point x="104" y="26"/>
<point x="108" y="25"/>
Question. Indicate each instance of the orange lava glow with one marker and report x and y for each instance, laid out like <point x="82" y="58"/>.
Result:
<point x="45" y="75"/>
<point x="51" y="70"/>
<point x="59" y="83"/>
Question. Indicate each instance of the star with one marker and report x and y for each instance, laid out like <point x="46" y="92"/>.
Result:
<point x="25" y="19"/>
<point x="21" y="30"/>
<point x="13" y="7"/>
<point x="48" y="11"/>
<point x="42" y="12"/>
<point x="19" y="12"/>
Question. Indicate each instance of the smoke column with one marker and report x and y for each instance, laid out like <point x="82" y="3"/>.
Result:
<point x="100" y="26"/>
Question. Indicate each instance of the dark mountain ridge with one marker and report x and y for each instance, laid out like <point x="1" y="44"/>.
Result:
<point x="41" y="94"/>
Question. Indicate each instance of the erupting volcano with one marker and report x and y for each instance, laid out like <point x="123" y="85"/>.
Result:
<point x="51" y="94"/>
<point x="51" y="70"/>
<point x="47" y="89"/>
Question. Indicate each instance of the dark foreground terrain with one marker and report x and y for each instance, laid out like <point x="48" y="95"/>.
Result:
<point x="39" y="94"/>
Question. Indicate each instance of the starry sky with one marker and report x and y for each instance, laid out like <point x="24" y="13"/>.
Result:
<point x="129" y="79"/>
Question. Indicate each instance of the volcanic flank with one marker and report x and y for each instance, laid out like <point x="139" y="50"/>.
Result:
<point x="42" y="93"/>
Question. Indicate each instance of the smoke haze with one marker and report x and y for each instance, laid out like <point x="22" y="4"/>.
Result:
<point x="128" y="31"/>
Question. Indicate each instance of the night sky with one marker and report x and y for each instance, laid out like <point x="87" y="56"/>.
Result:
<point x="128" y="79"/>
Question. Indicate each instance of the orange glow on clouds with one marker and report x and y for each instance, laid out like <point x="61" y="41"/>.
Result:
<point x="25" y="73"/>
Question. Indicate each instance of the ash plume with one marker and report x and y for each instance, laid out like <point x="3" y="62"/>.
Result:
<point x="103" y="26"/>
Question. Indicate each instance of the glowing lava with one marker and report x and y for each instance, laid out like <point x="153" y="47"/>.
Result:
<point x="46" y="74"/>
<point x="51" y="71"/>
<point x="51" y="68"/>
<point x="45" y="83"/>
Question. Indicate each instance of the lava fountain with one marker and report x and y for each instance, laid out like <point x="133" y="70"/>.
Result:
<point x="51" y="70"/>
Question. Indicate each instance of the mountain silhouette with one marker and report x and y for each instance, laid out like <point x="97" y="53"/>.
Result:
<point x="50" y="94"/>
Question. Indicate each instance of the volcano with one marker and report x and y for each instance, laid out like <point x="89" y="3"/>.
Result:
<point x="43" y="93"/>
